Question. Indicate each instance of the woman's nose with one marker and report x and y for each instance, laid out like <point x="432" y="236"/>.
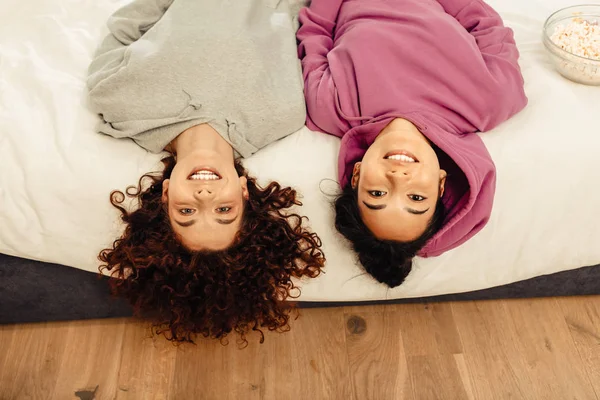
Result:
<point x="203" y="194"/>
<point x="398" y="174"/>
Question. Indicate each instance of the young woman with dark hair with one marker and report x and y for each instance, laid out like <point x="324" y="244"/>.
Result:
<point x="406" y="84"/>
<point x="205" y="250"/>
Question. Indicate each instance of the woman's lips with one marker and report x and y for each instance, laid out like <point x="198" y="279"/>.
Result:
<point x="402" y="156"/>
<point x="204" y="173"/>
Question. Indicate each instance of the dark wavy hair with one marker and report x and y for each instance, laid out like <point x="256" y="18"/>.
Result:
<point x="240" y="289"/>
<point x="388" y="261"/>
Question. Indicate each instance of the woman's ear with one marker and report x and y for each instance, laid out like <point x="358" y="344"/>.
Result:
<point x="355" y="175"/>
<point x="165" y="191"/>
<point x="244" y="184"/>
<point x="443" y="176"/>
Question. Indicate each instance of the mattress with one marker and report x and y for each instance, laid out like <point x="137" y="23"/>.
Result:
<point x="74" y="294"/>
<point x="56" y="173"/>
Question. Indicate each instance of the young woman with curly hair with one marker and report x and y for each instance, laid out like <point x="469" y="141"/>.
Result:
<point x="406" y="84"/>
<point x="207" y="251"/>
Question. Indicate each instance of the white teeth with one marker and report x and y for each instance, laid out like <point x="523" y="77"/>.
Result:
<point x="401" y="157"/>
<point x="205" y="176"/>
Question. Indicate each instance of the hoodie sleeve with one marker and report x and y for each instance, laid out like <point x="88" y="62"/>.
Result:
<point x="315" y="38"/>
<point x="126" y="26"/>
<point x="502" y="80"/>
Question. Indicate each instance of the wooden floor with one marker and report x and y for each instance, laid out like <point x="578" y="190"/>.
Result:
<point x="516" y="349"/>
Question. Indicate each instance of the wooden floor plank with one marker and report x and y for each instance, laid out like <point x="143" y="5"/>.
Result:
<point x="526" y="349"/>
<point x="465" y="375"/>
<point x="32" y="361"/>
<point x="376" y="356"/>
<point x="582" y="315"/>
<point x="210" y="370"/>
<point x="524" y="344"/>
<point x="8" y="375"/>
<point x="309" y="362"/>
<point x="319" y="353"/>
<point x="147" y="364"/>
<point x="281" y="382"/>
<point x="546" y="345"/>
<point x="91" y="360"/>
<point x="428" y="329"/>
<point x="431" y="341"/>
<point x="436" y="377"/>
<point x="371" y="308"/>
<point x="490" y="351"/>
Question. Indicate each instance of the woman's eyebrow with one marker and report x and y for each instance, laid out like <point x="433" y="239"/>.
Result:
<point x="186" y="224"/>
<point x="416" y="212"/>
<point x="372" y="207"/>
<point x="226" y="221"/>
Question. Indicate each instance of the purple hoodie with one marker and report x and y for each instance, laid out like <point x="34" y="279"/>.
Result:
<point x="448" y="66"/>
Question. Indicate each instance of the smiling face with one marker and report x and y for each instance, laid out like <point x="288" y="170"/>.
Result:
<point x="398" y="183"/>
<point x="205" y="200"/>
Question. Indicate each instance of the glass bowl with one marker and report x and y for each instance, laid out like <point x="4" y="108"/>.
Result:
<point x="571" y="66"/>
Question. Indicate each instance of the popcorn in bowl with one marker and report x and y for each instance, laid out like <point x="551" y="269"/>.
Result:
<point x="572" y="38"/>
<point x="579" y="37"/>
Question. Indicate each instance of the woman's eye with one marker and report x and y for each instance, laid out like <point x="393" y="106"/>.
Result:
<point x="186" y="211"/>
<point x="377" y="193"/>
<point x="223" y="210"/>
<point x="416" y="197"/>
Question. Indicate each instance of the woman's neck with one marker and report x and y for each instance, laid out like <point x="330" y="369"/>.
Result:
<point x="200" y="138"/>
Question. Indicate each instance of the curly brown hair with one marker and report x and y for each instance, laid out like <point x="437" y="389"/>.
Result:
<point x="239" y="289"/>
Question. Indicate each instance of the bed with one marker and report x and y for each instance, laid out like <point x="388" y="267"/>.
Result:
<point x="56" y="174"/>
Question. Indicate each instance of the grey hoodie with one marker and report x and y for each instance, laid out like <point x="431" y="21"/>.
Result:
<point x="168" y="65"/>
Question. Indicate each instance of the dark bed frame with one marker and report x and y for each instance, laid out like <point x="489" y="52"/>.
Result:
<point x="33" y="291"/>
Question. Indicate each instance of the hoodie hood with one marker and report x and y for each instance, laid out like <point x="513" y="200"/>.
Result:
<point x="470" y="185"/>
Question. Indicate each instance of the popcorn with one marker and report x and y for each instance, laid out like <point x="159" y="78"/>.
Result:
<point x="579" y="37"/>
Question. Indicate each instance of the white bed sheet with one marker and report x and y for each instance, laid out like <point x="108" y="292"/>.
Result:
<point x="56" y="173"/>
